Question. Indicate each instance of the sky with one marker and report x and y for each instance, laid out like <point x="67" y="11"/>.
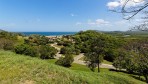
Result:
<point x="60" y="15"/>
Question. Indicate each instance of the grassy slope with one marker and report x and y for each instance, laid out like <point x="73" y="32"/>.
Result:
<point x="16" y="69"/>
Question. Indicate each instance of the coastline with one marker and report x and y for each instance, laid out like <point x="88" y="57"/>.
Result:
<point x="59" y="36"/>
<point x="49" y="34"/>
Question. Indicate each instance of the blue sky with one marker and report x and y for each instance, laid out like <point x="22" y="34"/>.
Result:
<point x="59" y="15"/>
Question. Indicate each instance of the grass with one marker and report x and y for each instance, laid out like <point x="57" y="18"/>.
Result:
<point x="18" y="69"/>
<point x="52" y="61"/>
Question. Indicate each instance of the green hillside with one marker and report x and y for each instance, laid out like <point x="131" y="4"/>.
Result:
<point x="20" y="69"/>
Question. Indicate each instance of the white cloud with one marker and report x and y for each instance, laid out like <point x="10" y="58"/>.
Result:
<point x="120" y="3"/>
<point x="113" y="4"/>
<point x="104" y="25"/>
<point x="98" y="22"/>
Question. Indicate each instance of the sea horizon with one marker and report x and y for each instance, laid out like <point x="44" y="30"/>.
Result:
<point x="48" y="33"/>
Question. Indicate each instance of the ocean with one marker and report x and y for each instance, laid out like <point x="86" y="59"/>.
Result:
<point x="49" y="33"/>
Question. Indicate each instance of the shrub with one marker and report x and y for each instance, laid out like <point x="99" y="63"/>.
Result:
<point x="47" y="52"/>
<point x="8" y="35"/>
<point x="110" y="55"/>
<point x="6" y="44"/>
<point x="66" y="50"/>
<point x="35" y="40"/>
<point x="67" y="43"/>
<point x="26" y="50"/>
<point x="77" y="51"/>
<point x="65" y="61"/>
<point x="31" y="51"/>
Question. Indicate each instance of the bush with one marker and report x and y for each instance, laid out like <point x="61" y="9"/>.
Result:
<point x="26" y="50"/>
<point x="6" y="44"/>
<point x="70" y="50"/>
<point x="36" y="40"/>
<point x="31" y="51"/>
<point x="120" y="60"/>
<point x="60" y="43"/>
<point x="47" y="52"/>
<point x="8" y="35"/>
<point x="67" y="43"/>
<point x="65" y="61"/>
<point x="66" y="50"/>
<point x="77" y="51"/>
<point x="110" y="55"/>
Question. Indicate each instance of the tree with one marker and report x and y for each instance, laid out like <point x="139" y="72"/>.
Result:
<point x="93" y="59"/>
<point x="96" y="53"/>
<point x="110" y="55"/>
<point x="136" y="61"/>
<point x="66" y="50"/>
<point x="139" y="50"/>
<point x="120" y="60"/>
<point x="130" y="8"/>
<point x="95" y="45"/>
<point x="70" y="50"/>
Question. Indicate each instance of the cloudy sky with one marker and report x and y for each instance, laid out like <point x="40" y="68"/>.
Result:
<point x="62" y="15"/>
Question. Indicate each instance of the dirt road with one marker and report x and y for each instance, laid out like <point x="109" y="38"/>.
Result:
<point x="78" y="57"/>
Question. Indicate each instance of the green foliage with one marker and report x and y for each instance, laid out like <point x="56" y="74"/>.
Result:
<point x="67" y="43"/>
<point x="77" y="51"/>
<point x="120" y="60"/>
<point x="44" y="52"/>
<point x="41" y="44"/>
<point x="69" y="50"/>
<point x="8" y="40"/>
<point x="8" y="35"/>
<point x="65" y="61"/>
<point x="66" y="50"/>
<point x="64" y="42"/>
<point x="36" y="40"/>
<point x="93" y="60"/>
<point x="96" y="45"/>
<point x="60" y="43"/>
<point x="47" y="52"/>
<point x="84" y="42"/>
<point x="26" y="50"/>
<point x="136" y="61"/>
<point x="31" y="51"/>
<point x="110" y="55"/>
<point x="6" y="44"/>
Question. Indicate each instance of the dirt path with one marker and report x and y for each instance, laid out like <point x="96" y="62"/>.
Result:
<point x="78" y="61"/>
<point x="78" y="57"/>
<point x="58" y="55"/>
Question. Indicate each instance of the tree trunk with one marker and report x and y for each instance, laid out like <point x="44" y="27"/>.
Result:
<point x="98" y="67"/>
